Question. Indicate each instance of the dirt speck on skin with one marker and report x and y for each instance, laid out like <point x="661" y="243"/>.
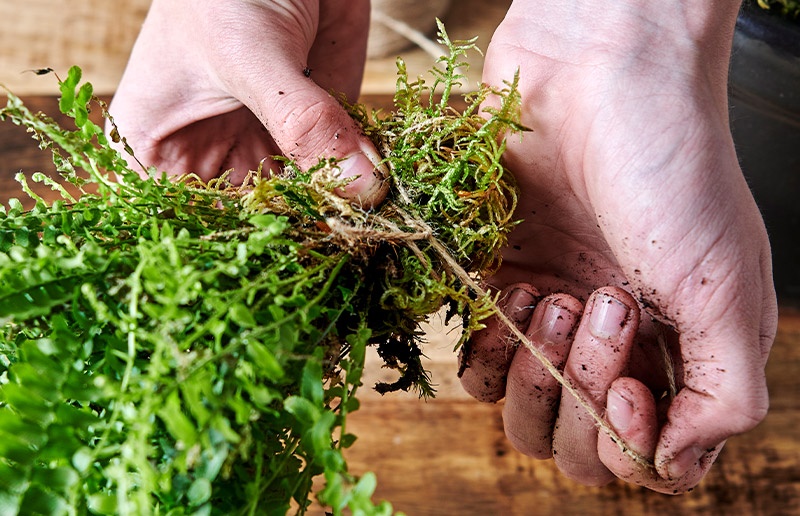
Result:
<point x="654" y="306"/>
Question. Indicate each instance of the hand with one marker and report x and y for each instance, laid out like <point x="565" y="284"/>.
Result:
<point x="630" y="179"/>
<point x="217" y="85"/>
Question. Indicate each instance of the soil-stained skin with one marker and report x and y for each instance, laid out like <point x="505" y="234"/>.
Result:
<point x="487" y="357"/>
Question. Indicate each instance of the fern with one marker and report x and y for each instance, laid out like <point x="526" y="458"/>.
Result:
<point x="173" y="347"/>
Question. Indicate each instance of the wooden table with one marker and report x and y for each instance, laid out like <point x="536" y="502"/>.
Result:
<point x="448" y="456"/>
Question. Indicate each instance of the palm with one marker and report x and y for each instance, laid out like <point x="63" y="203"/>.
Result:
<point x="566" y="242"/>
<point x="234" y="141"/>
<point x="611" y="196"/>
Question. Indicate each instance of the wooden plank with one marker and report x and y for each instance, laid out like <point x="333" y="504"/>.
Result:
<point x="464" y="20"/>
<point x="97" y="35"/>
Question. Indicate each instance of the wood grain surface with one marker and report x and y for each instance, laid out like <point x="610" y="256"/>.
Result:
<point x="97" y="35"/>
<point x="448" y="456"/>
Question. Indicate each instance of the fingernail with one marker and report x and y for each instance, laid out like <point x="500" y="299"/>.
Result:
<point x="608" y="317"/>
<point x="683" y="461"/>
<point x="355" y="165"/>
<point x="366" y="160"/>
<point x="557" y="323"/>
<point x="619" y="411"/>
<point x="519" y="305"/>
<point x="370" y="186"/>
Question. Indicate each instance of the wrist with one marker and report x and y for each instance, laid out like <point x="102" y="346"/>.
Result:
<point x="658" y="32"/>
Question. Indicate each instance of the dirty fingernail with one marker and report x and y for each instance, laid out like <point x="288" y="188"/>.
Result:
<point x="683" y="461"/>
<point x="619" y="411"/>
<point x="368" y="185"/>
<point x="519" y="305"/>
<point x="557" y="323"/>
<point x="608" y="317"/>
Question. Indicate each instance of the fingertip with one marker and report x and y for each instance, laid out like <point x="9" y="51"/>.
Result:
<point x="697" y="427"/>
<point x="725" y="394"/>
<point x="518" y="301"/>
<point x="683" y="461"/>
<point x="556" y="319"/>
<point x="611" y="312"/>
<point x="675" y="473"/>
<point x="684" y="471"/>
<point x="486" y="358"/>
<point x="309" y="124"/>
<point x="631" y="411"/>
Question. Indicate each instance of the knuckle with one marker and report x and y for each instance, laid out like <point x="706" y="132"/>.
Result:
<point x="744" y="413"/>
<point x="305" y="124"/>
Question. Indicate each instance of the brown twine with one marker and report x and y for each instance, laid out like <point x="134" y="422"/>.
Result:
<point x="351" y="233"/>
<point x="462" y="275"/>
<point x="424" y="232"/>
<point x="669" y="366"/>
<point x="579" y="397"/>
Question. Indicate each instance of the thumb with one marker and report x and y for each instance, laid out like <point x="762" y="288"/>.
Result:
<point x="260" y="55"/>
<point x="308" y="124"/>
<point x="725" y="395"/>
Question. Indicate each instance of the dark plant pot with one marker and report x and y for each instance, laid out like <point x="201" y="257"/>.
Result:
<point x="765" y="119"/>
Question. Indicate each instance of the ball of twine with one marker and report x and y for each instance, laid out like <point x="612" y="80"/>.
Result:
<point x="399" y="24"/>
